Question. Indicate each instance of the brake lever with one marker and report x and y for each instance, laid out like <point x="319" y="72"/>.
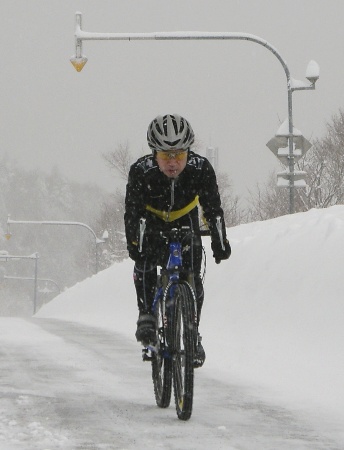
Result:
<point x="219" y="230"/>
<point x="142" y="232"/>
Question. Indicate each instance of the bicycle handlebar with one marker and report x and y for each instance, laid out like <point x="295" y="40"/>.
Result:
<point x="187" y="230"/>
<point x="169" y="233"/>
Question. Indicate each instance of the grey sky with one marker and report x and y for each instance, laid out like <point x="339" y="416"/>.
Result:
<point x="233" y="93"/>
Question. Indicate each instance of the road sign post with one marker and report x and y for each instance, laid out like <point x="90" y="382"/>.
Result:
<point x="280" y="145"/>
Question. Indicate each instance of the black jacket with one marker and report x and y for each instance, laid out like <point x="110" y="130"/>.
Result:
<point x="147" y="185"/>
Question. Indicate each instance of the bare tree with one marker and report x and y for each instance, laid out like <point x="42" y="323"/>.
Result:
<point x="66" y="254"/>
<point x="120" y="159"/>
<point x="268" y="201"/>
<point x="111" y="219"/>
<point x="324" y="166"/>
<point x="230" y="202"/>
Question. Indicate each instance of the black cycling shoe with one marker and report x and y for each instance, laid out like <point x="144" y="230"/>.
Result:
<point x="146" y="329"/>
<point x="199" y="353"/>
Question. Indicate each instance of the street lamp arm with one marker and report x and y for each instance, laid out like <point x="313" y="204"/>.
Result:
<point x="6" y="257"/>
<point x="298" y="85"/>
<point x="55" y="222"/>
<point x="48" y="280"/>
<point x="81" y="35"/>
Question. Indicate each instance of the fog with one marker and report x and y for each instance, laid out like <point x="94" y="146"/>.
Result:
<point x="233" y="93"/>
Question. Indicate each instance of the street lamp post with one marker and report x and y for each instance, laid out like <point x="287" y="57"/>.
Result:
<point x="79" y="60"/>
<point x="5" y="257"/>
<point x="55" y="222"/>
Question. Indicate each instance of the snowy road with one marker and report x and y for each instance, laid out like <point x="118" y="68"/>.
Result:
<point x="68" y="386"/>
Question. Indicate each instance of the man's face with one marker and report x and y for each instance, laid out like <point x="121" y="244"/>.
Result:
<point x="172" y="162"/>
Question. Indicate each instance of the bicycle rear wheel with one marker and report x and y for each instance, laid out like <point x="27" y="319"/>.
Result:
<point x="183" y="350"/>
<point x="161" y="364"/>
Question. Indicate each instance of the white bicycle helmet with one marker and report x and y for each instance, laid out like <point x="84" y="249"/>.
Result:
<point x="170" y="132"/>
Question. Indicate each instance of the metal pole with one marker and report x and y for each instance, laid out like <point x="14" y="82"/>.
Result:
<point x="291" y="153"/>
<point x="97" y="262"/>
<point x="35" y="285"/>
<point x="81" y="35"/>
<point x="6" y="257"/>
<point x="78" y="42"/>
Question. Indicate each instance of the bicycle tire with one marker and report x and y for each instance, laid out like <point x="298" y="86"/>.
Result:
<point x="183" y="350"/>
<point x="161" y="364"/>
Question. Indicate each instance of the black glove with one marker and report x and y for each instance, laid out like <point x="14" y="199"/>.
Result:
<point x="218" y="252"/>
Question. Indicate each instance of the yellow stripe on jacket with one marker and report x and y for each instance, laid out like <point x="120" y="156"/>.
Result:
<point x="171" y="216"/>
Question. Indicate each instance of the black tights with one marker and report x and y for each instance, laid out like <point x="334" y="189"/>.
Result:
<point x="145" y="278"/>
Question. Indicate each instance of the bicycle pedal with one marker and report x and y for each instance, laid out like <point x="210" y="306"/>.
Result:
<point x="145" y="355"/>
<point x="198" y="363"/>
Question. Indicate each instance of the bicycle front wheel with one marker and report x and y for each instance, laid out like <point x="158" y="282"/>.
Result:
<point x="162" y="364"/>
<point x="183" y="350"/>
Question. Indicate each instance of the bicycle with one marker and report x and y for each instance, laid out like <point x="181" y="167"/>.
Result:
<point x="172" y="355"/>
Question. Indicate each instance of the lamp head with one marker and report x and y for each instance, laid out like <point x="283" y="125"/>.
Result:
<point x="312" y="72"/>
<point x="78" y="62"/>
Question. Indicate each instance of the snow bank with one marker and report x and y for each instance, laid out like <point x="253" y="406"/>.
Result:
<point x="273" y="314"/>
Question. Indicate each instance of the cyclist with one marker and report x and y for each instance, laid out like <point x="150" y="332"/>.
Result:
<point x="165" y="188"/>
